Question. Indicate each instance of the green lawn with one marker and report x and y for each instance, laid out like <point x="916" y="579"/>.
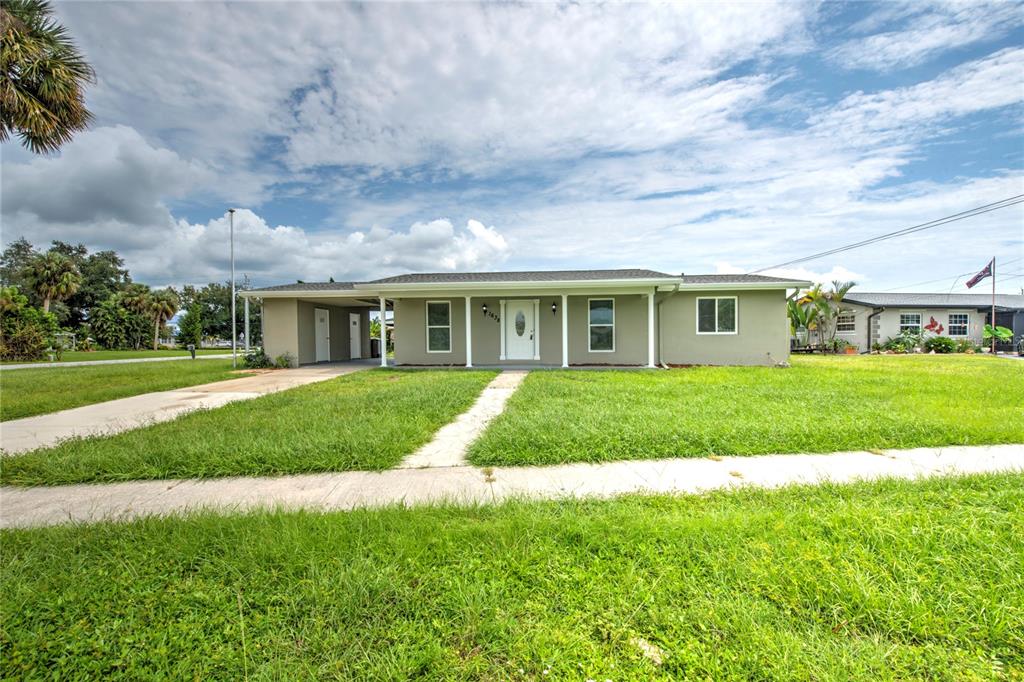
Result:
<point x="876" y="581"/>
<point x="81" y="356"/>
<point x="820" y="404"/>
<point x="28" y="392"/>
<point x="367" y="420"/>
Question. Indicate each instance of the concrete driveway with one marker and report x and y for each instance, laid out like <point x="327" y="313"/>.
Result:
<point x="45" y="430"/>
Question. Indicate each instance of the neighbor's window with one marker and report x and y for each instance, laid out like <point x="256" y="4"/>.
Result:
<point x="439" y="327"/>
<point x="910" y="322"/>
<point x="958" y="324"/>
<point x="716" y="315"/>
<point x="846" y="323"/>
<point x="602" y="325"/>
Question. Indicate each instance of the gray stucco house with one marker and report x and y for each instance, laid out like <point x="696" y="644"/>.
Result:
<point x="876" y="317"/>
<point x="552" y="318"/>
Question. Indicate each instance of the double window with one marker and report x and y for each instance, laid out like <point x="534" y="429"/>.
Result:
<point x="601" y="322"/>
<point x="910" y="322"/>
<point x="439" y="327"/>
<point x="716" y="315"/>
<point x="958" y="324"/>
<point x="846" y="323"/>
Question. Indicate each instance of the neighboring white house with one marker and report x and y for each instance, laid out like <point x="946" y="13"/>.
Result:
<point x="876" y="317"/>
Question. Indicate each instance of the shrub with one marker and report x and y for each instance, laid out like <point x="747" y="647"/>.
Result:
<point x="27" y="333"/>
<point x="906" y="342"/>
<point x="967" y="346"/>
<point x="940" y="344"/>
<point x="257" y="359"/>
<point x="285" y="360"/>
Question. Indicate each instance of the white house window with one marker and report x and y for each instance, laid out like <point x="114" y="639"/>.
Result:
<point x="602" y="325"/>
<point x="910" y="322"/>
<point x="439" y="327"/>
<point x="958" y="324"/>
<point x="716" y="315"/>
<point x="846" y="324"/>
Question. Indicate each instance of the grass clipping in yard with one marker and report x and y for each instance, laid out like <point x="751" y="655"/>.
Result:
<point x="365" y="420"/>
<point x="874" y="581"/>
<point x="820" y="404"/>
<point x="28" y="392"/>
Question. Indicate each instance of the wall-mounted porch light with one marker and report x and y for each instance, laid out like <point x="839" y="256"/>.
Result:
<point x="484" y="308"/>
<point x="554" y="308"/>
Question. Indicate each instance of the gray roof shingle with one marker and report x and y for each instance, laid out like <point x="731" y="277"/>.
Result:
<point x="531" y="276"/>
<point x="310" y="286"/>
<point x="935" y="300"/>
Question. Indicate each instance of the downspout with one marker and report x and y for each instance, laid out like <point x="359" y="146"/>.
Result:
<point x="661" y="357"/>
<point x="877" y="311"/>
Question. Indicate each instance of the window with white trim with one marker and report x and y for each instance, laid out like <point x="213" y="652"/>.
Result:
<point x="716" y="315"/>
<point x="958" y="324"/>
<point x="846" y="323"/>
<point x="910" y="322"/>
<point x="601" y="323"/>
<point x="439" y="327"/>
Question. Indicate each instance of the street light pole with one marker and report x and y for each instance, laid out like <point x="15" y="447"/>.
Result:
<point x="234" y="333"/>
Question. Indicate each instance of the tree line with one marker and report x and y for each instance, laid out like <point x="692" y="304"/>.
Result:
<point x="92" y="295"/>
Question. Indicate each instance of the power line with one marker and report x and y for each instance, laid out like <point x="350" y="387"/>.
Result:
<point x="963" y="215"/>
<point x="955" y="278"/>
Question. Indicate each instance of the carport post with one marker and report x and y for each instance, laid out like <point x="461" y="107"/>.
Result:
<point x="383" y="334"/>
<point x="469" y="333"/>
<point x="650" y="328"/>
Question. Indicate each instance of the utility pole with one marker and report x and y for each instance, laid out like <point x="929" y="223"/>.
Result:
<point x="234" y="332"/>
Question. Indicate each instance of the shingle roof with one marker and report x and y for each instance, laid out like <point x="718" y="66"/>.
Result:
<point x="311" y="286"/>
<point x="739" y="279"/>
<point x="533" y="276"/>
<point x="935" y="300"/>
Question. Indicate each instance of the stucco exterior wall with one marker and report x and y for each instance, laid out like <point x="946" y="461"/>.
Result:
<point x="630" y="332"/>
<point x="888" y="323"/>
<point x="289" y="326"/>
<point x="762" y="336"/>
<point x="280" y="326"/>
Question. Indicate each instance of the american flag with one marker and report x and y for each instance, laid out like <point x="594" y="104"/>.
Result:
<point x="987" y="272"/>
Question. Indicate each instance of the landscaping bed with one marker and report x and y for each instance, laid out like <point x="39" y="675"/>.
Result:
<point x="889" y="580"/>
<point x="28" y="392"/>
<point x="366" y="420"/>
<point x="820" y="404"/>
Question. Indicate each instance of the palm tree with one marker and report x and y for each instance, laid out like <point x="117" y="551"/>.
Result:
<point x="163" y="305"/>
<point x="54" y="277"/>
<point x="42" y="77"/>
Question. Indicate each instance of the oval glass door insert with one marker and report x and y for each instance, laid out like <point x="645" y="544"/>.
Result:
<point x="520" y="323"/>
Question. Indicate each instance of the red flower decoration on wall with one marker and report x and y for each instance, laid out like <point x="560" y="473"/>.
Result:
<point x="934" y="326"/>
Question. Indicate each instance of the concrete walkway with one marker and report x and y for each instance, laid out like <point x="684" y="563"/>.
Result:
<point x="23" y="507"/>
<point x="45" y="430"/>
<point x="452" y="441"/>
<point x="122" y="361"/>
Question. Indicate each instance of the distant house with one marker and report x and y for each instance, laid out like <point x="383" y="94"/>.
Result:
<point x="877" y="317"/>
<point x="552" y="318"/>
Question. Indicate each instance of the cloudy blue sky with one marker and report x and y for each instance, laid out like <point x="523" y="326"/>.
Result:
<point x="366" y="140"/>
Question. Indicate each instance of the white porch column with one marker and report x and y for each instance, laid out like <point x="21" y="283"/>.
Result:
<point x="469" y="333"/>
<point x="502" y="320"/>
<point x="383" y="333"/>
<point x="650" y="328"/>
<point x="246" y="299"/>
<point x="565" y="330"/>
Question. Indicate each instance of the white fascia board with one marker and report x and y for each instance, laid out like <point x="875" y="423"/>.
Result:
<point x="305" y="293"/>
<point x="409" y="288"/>
<point x="743" y="286"/>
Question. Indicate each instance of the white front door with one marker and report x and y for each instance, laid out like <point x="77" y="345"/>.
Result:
<point x="520" y="331"/>
<point x="323" y="334"/>
<point x="355" y="337"/>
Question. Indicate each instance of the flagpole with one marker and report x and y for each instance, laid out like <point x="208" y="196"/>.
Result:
<point x="993" y="305"/>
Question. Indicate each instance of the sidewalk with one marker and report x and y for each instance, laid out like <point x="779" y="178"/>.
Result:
<point x="122" y="361"/>
<point x="23" y="507"/>
<point x="21" y="435"/>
